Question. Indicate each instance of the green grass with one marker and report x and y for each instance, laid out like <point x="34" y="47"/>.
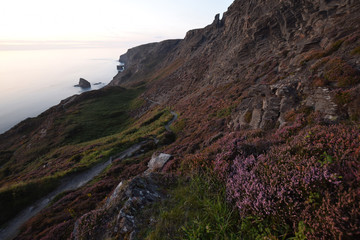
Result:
<point x="225" y="112"/>
<point x="101" y="116"/>
<point x="16" y="197"/>
<point x="178" y="126"/>
<point x="221" y="113"/>
<point x="333" y="48"/>
<point x="197" y="209"/>
<point x="85" y="150"/>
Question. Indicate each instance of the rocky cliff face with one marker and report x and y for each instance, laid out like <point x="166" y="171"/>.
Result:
<point x="275" y="55"/>
<point x="137" y="68"/>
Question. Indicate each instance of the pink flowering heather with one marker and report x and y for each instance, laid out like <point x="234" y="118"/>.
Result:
<point x="312" y="178"/>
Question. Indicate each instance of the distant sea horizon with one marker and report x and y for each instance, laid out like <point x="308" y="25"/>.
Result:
<point x="32" y="81"/>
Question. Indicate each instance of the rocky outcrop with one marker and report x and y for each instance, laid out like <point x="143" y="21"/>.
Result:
<point x="265" y="106"/>
<point x="120" y="215"/>
<point x="320" y="99"/>
<point x="83" y="83"/>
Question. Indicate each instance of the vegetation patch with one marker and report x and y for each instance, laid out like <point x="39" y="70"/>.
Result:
<point x="248" y="116"/>
<point x="197" y="209"/>
<point x="356" y="51"/>
<point x="298" y="187"/>
<point x="317" y="54"/>
<point x="222" y="113"/>
<point x="320" y="82"/>
<point x="41" y="176"/>
<point x="16" y="197"/>
<point x="342" y="98"/>
<point x="99" y="117"/>
<point x="178" y="126"/>
<point x="341" y="73"/>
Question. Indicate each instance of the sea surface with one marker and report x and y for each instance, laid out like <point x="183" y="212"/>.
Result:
<point x="31" y="81"/>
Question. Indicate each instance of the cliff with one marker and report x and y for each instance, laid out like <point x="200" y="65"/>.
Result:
<point x="266" y="144"/>
<point x="270" y="47"/>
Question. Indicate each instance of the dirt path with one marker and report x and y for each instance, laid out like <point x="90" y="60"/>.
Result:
<point x="167" y="126"/>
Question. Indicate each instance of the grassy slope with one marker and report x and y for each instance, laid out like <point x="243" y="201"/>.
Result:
<point x="99" y="117"/>
<point x="95" y="129"/>
<point x="197" y="209"/>
<point x="56" y="221"/>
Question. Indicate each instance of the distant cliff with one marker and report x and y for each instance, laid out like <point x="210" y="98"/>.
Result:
<point x="141" y="61"/>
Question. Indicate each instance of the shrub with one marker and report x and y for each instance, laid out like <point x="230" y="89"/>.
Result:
<point x="320" y="82"/>
<point x="308" y="184"/>
<point x="341" y="73"/>
<point x="317" y="54"/>
<point x="178" y="126"/>
<point x="225" y="112"/>
<point x="248" y="116"/>
<point x="333" y="48"/>
<point x="356" y="51"/>
<point x="343" y="97"/>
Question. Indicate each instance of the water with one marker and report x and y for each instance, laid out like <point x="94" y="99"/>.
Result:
<point x="31" y="81"/>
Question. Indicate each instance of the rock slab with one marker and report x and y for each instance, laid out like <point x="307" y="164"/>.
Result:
<point x="121" y="214"/>
<point x="157" y="161"/>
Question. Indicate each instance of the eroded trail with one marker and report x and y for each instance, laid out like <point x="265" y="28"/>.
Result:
<point x="167" y="127"/>
<point x="69" y="183"/>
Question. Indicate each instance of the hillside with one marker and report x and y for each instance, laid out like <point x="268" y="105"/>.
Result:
<point x="266" y="144"/>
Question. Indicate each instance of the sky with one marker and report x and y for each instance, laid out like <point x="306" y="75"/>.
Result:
<point x="26" y="23"/>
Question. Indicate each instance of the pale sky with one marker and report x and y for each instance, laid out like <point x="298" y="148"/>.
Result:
<point x="111" y="21"/>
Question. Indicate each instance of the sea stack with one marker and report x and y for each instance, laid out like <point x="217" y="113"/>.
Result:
<point x="83" y="83"/>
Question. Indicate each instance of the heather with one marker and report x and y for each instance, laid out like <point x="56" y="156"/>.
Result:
<point x="308" y="180"/>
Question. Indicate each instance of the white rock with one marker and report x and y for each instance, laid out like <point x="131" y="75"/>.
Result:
<point x="158" y="161"/>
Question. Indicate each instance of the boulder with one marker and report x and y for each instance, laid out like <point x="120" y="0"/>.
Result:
<point x="157" y="161"/>
<point x="120" y="217"/>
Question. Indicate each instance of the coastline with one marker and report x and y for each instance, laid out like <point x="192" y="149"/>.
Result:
<point x="47" y="78"/>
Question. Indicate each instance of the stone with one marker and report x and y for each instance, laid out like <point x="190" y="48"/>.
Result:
<point x="157" y="161"/>
<point x="320" y="100"/>
<point x="120" y="216"/>
<point x="256" y="118"/>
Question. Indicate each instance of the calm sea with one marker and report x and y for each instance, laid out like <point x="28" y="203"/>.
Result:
<point x="31" y="81"/>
